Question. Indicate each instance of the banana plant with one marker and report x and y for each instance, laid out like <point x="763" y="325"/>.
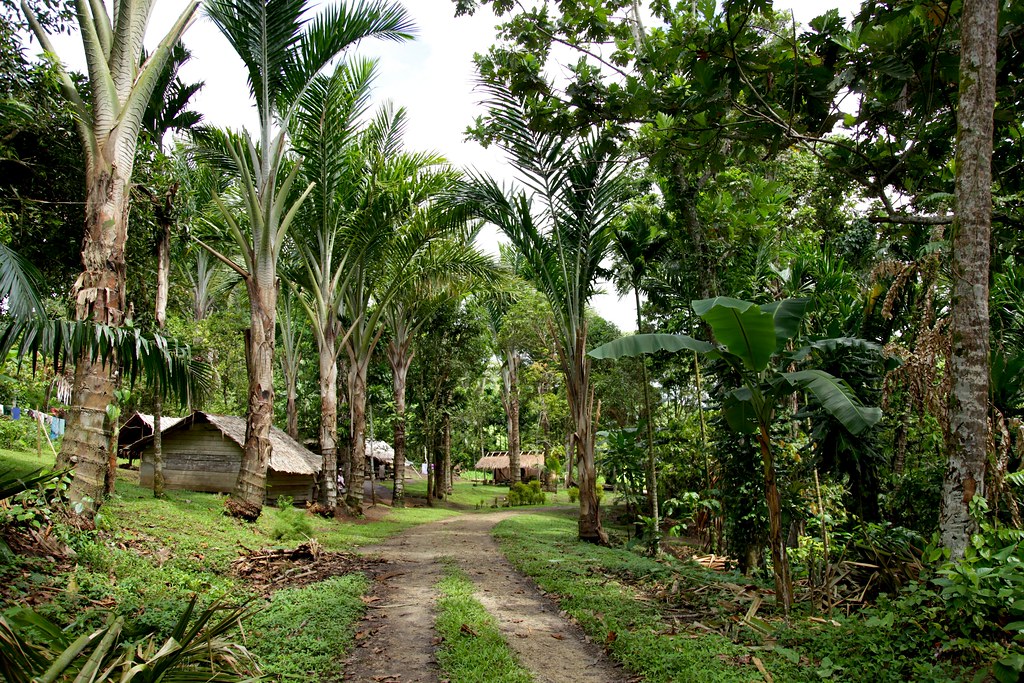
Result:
<point x="752" y="340"/>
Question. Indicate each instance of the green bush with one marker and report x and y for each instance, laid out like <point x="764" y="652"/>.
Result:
<point x="574" y="494"/>
<point x="19" y="434"/>
<point x="290" y="523"/>
<point x="526" y="494"/>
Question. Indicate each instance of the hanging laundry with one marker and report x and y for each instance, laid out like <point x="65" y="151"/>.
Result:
<point x="16" y="413"/>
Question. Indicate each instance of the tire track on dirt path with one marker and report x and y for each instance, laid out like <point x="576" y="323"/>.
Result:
<point x="396" y="641"/>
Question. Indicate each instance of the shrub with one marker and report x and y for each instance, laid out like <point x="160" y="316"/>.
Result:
<point x="574" y="494"/>
<point x="526" y="494"/>
<point x="19" y="434"/>
<point x="290" y="523"/>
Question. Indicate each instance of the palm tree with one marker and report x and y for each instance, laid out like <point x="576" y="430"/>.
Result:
<point x="563" y="232"/>
<point x="167" y="111"/>
<point x="292" y="335"/>
<point x="637" y="241"/>
<point x="393" y="239"/>
<point x="449" y="271"/>
<point x="108" y="124"/>
<point x="283" y="50"/>
<point x="326" y="240"/>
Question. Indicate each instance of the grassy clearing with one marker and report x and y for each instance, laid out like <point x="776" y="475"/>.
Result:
<point x="615" y="612"/>
<point x="304" y="633"/>
<point x="475" y="495"/>
<point x="473" y="649"/>
<point x="147" y="557"/>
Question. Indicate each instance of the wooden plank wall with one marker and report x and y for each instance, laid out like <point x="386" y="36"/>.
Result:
<point x="203" y="459"/>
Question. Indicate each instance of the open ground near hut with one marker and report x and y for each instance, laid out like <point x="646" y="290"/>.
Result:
<point x="319" y="597"/>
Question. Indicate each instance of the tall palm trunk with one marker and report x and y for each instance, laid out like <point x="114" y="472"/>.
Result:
<point x="249" y="494"/>
<point x="446" y="454"/>
<point x="652" y="464"/>
<point x="581" y="407"/>
<point x="400" y="358"/>
<point x="163" y="271"/>
<point x="357" y="373"/>
<point x="99" y="297"/>
<point x="510" y="375"/>
<point x="969" y="360"/>
<point x="329" y="415"/>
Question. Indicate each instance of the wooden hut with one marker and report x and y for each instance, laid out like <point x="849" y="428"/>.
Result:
<point x="136" y="428"/>
<point x="203" y="452"/>
<point x="531" y="463"/>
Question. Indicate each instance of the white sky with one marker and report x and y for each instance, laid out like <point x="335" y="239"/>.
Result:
<point x="432" y="77"/>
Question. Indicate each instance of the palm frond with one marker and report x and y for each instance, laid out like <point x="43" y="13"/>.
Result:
<point x="20" y="284"/>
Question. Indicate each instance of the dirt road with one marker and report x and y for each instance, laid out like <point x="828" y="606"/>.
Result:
<point x="396" y="641"/>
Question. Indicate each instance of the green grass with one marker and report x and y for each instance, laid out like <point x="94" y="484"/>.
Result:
<point x="468" y="494"/>
<point x="148" y="556"/>
<point x="304" y="634"/>
<point x="586" y="580"/>
<point x="473" y="649"/>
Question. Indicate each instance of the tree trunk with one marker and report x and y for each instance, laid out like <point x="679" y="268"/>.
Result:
<point x="581" y="406"/>
<point x="357" y="404"/>
<point x="400" y="359"/>
<point x="246" y="501"/>
<point x="99" y="297"/>
<point x="652" y="465"/>
<point x="780" y="561"/>
<point x="968" y="401"/>
<point x="328" y="435"/>
<point x="512" y="381"/>
<point x="446" y="453"/>
<point x="159" y="482"/>
<point x="163" y="276"/>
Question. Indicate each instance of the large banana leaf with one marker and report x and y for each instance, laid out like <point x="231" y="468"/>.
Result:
<point x="786" y="317"/>
<point x="836" y="397"/>
<point x="640" y="344"/>
<point x="741" y="327"/>
<point x="739" y="411"/>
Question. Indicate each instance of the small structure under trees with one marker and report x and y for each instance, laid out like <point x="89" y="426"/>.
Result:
<point x="136" y="428"/>
<point x="531" y="464"/>
<point x="203" y="452"/>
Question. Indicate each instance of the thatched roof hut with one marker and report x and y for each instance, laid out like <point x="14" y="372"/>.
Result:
<point x="140" y="425"/>
<point x="530" y="465"/>
<point x="203" y="452"/>
<point x="380" y="451"/>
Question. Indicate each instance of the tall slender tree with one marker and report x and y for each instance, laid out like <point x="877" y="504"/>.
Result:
<point x="969" y="359"/>
<point x="326" y="240"/>
<point x="283" y="50"/>
<point x="563" y="231"/>
<point x="108" y="124"/>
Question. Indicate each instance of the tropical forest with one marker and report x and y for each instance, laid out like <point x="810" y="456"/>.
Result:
<point x="511" y="341"/>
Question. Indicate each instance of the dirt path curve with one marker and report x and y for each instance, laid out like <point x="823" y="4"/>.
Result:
<point x="396" y="641"/>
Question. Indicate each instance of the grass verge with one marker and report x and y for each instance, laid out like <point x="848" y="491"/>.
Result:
<point x="583" y="579"/>
<point x="473" y="649"/>
<point x="304" y="633"/>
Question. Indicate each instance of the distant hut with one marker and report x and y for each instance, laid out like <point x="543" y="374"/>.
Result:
<point x="531" y="463"/>
<point x="203" y="452"/>
<point x="135" y="429"/>
<point x="381" y="456"/>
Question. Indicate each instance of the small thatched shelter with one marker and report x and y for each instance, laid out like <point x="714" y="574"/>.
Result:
<point x="203" y="452"/>
<point x="531" y="463"/>
<point x="139" y="426"/>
